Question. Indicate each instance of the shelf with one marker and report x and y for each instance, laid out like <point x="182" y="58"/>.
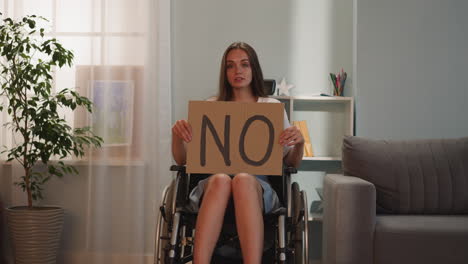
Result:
<point x="322" y="158"/>
<point x="316" y="209"/>
<point x="315" y="217"/>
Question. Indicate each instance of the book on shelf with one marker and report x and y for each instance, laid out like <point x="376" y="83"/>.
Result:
<point x="302" y="125"/>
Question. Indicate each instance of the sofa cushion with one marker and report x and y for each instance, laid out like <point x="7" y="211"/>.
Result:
<point x="412" y="177"/>
<point x="421" y="239"/>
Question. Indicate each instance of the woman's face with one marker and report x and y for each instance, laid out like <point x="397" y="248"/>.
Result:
<point x="238" y="71"/>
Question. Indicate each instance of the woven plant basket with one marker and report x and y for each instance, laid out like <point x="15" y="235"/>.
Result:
<point x="35" y="233"/>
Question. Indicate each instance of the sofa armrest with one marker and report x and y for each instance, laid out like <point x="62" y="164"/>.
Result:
<point x="348" y="220"/>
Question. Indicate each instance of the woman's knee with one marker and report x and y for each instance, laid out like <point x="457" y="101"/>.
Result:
<point x="219" y="182"/>
<point x="244" y="181"/>
<point x="246" y="186"/>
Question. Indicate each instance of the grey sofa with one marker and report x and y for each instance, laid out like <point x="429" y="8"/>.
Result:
<point x="398" y="202"/>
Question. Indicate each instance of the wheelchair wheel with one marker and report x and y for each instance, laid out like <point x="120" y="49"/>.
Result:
<point x="162" y="233"/>
<point x="166" y="226"/>
<point x="170" y="201"/>
<point x="305" y="244"/>
<point x="299" y="235"/>
<point x="296" y="202"/>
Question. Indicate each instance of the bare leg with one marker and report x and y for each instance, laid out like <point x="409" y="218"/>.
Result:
<point x="248" y="201"/>
<point x="210" y="217"/>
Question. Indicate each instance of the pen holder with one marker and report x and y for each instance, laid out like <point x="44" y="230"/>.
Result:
<point x="338" y="81"/>
<point x="337" y="92"/>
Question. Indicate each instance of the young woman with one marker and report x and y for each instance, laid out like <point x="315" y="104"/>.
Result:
<point x="241" y="80"/>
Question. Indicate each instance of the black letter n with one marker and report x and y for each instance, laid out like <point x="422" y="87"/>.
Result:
<point x="223" y="149"/>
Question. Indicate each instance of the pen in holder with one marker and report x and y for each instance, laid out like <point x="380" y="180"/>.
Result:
<point x="338" y="81"/>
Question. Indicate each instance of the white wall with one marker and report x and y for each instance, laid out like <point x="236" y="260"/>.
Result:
<point x="412" y="68"/>
<point x="301" y="40"/>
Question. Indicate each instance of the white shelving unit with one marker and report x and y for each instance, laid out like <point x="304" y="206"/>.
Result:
<point x="328" y="118"/>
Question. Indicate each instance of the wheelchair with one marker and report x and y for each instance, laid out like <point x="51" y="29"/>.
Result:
<point x="285" y="235"/>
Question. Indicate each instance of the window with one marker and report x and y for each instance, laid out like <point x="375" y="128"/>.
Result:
<point x="101" y="33"/>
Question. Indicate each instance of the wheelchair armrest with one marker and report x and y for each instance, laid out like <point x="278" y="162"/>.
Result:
<point x="290" y="170"/>
<point x="179" y="168"/>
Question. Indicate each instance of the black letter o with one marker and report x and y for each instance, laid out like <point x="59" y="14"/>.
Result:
<point x="270" y="140"/>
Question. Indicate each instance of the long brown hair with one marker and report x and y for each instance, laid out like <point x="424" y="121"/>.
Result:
<point x="225" y="89"/>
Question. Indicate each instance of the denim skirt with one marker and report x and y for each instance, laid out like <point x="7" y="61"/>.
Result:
<point x="270" y="198"/>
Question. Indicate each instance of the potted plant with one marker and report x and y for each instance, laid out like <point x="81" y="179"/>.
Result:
<point x="27" y="59"/>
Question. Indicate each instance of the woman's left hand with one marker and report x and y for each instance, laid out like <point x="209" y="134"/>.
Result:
<point x="291" y="136"/>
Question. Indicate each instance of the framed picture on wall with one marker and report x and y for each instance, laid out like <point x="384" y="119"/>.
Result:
<point x="112" y="117"/>
<point x="116" y="92"/>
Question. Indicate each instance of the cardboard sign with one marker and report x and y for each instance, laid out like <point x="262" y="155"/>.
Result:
<point x="231" y="137"/>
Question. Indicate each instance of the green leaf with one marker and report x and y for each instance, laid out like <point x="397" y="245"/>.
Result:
<point x="32" y="24"/>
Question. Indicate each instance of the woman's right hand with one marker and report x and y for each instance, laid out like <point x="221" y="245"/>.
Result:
<point x="182" y="130"/>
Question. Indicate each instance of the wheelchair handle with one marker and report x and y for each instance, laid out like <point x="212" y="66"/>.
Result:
<point x="178" y="168"/>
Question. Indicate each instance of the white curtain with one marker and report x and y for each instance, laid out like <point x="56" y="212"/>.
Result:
<point x="122" y="62"/>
